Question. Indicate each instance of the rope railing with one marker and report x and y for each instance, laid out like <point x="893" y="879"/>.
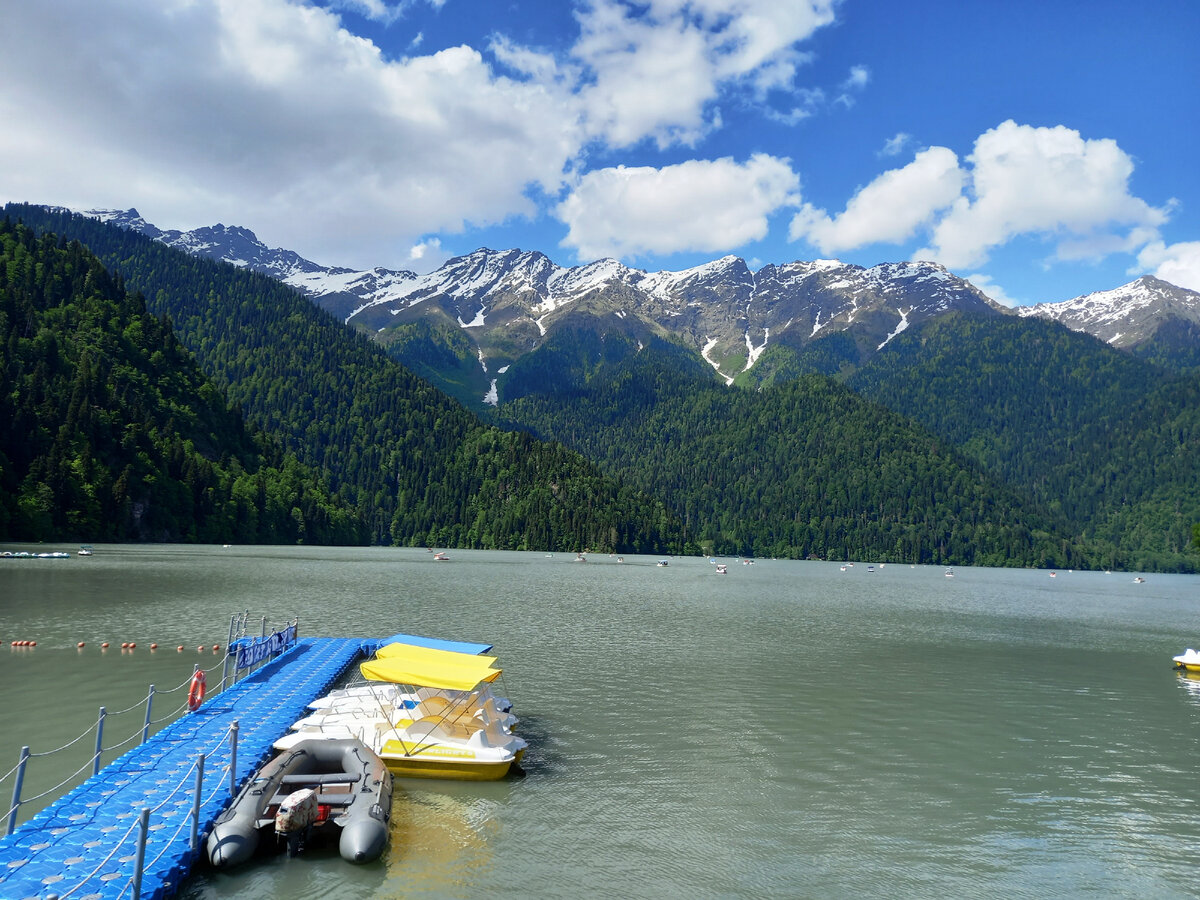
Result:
<point x="18" y="771"/>
<point x="142" y="825"/>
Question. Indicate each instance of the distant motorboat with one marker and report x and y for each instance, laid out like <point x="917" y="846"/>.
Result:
<point x="949" y="573"/>
<point x="440" y="557"/>
<point x="722" y="569"/>
<point x="662" y="564"/>
<point x="1139" y="580"/>
<point x="85" y="550"/>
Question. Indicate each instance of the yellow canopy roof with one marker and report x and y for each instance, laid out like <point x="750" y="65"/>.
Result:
<point x="445" y="657"/>
<point x="409" y="664"/>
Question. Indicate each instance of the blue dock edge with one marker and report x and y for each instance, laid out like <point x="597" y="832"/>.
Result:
<point x="85" y="843"/>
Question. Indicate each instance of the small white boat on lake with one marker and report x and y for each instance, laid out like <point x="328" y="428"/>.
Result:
<point x="1189" y="660"/>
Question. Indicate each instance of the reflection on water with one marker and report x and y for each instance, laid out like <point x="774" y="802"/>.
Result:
<point x="790" y="729"/>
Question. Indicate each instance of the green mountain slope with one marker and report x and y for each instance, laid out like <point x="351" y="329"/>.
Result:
<point x="111" y="431"/>
<point x="1108" y="441"/>
<point x="806" y="468"/>
<point x="418" y="467"/>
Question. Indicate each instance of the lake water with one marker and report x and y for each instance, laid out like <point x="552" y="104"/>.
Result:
<point x="789" y="729"/>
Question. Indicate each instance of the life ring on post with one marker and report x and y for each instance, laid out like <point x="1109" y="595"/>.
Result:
<point x="196" y="691"/>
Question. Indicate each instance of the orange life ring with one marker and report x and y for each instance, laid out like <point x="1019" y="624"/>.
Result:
<point x="196" y="691"/>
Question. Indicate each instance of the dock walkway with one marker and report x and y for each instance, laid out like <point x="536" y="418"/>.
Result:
<point x="84" y="845"/>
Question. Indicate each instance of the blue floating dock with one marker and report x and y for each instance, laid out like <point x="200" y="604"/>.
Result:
<point x="85" y="843"/>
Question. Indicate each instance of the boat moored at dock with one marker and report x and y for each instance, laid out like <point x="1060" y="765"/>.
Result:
<point x="428" y="713"/>
<point x="308" y="788"/>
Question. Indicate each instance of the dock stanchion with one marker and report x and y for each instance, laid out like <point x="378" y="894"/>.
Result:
<point x="16" y="797"/>
<point x="228" y="651"/>
<point x="99" y="741"/>
<point x="143" y="833"/>
<point x="233" y="738"/>
<point x="195" y="842"/>
<point x="146" y="725"/>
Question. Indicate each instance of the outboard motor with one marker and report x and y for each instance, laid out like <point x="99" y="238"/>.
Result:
<point x="295" y="818"/>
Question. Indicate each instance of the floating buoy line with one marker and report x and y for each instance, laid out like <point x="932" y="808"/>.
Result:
<point x="125" y="645"/>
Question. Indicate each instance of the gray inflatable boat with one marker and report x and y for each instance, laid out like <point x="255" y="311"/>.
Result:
<point x="305" y="790"/>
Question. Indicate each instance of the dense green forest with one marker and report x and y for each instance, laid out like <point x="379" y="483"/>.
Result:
<point x="418" y="468"/>
<point x="992" y="440"/>
<point x="111" y="431"/>
<point x="806" y="468"/>
<point x="1106" y="441"/>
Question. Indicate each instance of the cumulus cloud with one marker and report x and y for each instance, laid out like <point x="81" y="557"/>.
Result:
<point x="272" y="110"/>
<point x="890" y="209"/>
<point x="1041" y="181"/>
<point x="1176" y="263"/>
<point x="697" y="205"/>
<point x="655" y="69"/>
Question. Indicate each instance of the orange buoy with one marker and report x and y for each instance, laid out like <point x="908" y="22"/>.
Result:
<point x="132" y="645"/>
<point x="179" y="649"/>
<point x="154" y="646"/>
<point x="33" y="643"/>
<point x="200" y="649"/>
<point x="80" y="645"/>
<point x="125" y="645"/>
<point x="216" y="647"/>
<point x="104" y="646"/>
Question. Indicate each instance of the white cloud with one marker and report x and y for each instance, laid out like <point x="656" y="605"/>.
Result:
<point x="855" y="82"/>
<point x="993" y="290"/>
<point x="889" y="209"/>
<point x="895" y="145"/>
<point x="698" y="205"/>
<point x="1041" y="181"/>
<point x="1177" y="263"/>
<point x="426" y="256"/>
<point x="656" y="68"/>
<point x="269" y="111"/>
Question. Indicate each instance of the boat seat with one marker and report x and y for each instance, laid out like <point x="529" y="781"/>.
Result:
<point x="321" y="778"/>
<point x="323" y="799"/>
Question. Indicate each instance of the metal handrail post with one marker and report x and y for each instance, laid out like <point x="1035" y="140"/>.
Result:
<point x="233" y="742"/>
<point x="99" y="741"/>
<point x="146" y="724"/>
<point x="16" y="797"/>
<point x="143" y="833"/>
<point x="228" y="650"/>
<point x="195" y="842"/>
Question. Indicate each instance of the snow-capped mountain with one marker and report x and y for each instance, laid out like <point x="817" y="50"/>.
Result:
<point x="506" y="303"/>
<point x="1126" y="316"/>
<point x="335" y="288"/>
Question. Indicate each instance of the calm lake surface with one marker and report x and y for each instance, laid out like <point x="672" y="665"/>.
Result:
<point x="789" y="729"/>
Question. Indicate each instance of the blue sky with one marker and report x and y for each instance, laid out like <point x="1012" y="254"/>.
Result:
<point x="1043" y="148"/>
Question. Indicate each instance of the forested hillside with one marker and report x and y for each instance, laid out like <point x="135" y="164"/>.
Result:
<point x="1109" y="442"/>
<point x="417" y="467"/>
<point x="806" y="468"/>
<point x="111" y="432"/>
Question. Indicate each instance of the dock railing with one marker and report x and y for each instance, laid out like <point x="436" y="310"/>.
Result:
<point x="138" y="833"/>
<point x="254" y="652"/>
